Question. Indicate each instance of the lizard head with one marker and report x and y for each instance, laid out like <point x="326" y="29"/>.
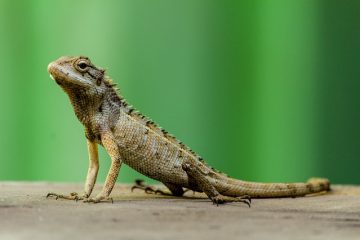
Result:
<point x="77" y="73"/>
<point x="85" y="84"/>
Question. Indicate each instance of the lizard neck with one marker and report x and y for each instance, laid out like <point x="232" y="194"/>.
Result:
<point x="84" y="106"/>
<point x="94" y="111"/>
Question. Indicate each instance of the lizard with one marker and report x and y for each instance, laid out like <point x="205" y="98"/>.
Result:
<point x="133" y="139"/>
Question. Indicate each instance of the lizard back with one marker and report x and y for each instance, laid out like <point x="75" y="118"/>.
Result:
<point x="151" y="150"/>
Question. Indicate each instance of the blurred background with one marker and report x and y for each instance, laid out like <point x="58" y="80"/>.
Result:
<point x="263" y="90"/>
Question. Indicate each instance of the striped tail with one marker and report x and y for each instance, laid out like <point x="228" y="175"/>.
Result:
<point x="233" y="187"/>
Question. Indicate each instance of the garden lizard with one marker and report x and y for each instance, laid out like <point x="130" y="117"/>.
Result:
<point x="131" y="138"/>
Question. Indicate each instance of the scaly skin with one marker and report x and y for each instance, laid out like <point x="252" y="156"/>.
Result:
<point x="131" y="138"/>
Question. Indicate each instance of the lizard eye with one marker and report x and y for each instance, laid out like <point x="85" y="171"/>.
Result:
<point x="81" y="65"/>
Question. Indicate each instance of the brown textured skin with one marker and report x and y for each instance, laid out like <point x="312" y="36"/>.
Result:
<point x="131" y="138"/>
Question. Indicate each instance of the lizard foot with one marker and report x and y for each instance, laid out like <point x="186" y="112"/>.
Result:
<point x="220" y="199"/>
<point x="73" y="196"/>
<point x="139" y="184"/>
<point x="98" y="199"/>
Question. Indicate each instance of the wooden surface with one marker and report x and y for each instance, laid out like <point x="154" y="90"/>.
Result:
<point x="25" y="213"/>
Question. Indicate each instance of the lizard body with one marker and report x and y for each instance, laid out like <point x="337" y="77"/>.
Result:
<point x="135" y="140"/>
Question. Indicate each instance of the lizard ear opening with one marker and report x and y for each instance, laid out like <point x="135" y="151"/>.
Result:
<point x="100" y="77"/>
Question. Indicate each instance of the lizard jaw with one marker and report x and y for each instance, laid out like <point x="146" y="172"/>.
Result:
<point x="61" y="74"/>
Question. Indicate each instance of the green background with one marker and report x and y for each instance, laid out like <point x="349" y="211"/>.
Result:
<point x="263" y="90"/>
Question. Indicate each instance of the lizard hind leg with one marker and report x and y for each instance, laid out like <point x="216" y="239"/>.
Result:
<point x="139" y="184"/>
<point x="174" y="189"/>
<point x="199" y="179"/>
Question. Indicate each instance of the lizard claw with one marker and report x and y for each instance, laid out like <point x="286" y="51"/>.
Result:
<point x="219" y="199"/>
<point x="98" y="199"/>
<point x="150" y="189"/>
<point x="77" y="197"/>
<point x="73" y="196"/>
<point x="139" y="184"/>
<point x="246" y="201"/>
<point x="51" y="194"/>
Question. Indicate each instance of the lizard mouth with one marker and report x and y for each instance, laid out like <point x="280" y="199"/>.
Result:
<point x="55" y="73"/>
<point x="55" y="79"/>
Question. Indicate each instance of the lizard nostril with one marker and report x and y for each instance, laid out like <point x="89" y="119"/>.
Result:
<point x="50" y="67"/>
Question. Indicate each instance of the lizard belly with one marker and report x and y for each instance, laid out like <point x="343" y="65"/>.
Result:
<point x="149" y="153"/>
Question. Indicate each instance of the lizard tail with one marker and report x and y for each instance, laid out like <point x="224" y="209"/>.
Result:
<point x="233" y="187"/>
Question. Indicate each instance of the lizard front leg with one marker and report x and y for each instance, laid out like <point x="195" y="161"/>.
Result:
<point x="93" y="168"/>
<point x="90" y="178"/>
<point x="112" y="149"/>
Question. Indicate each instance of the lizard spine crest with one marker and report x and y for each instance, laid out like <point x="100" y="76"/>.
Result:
<point x="148" y="122"/>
